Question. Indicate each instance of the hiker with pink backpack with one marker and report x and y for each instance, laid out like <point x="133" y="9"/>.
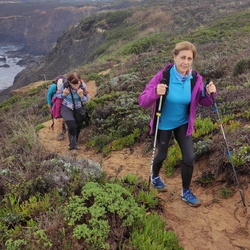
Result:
<point x="71" y="98"/>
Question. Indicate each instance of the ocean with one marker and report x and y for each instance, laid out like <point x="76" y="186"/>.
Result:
<point x="7" y="74"/>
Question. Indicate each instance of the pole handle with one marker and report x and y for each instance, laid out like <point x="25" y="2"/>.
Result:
<point x="162" y="97"/>
<point x="166" y="82"/>
<point x="212" y="93"/>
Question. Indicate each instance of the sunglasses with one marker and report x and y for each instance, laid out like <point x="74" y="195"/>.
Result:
<point x="75" y="82"/>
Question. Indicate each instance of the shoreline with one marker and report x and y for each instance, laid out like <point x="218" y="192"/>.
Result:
<point x="10" y="56"/>
<point x="14" y="60"/>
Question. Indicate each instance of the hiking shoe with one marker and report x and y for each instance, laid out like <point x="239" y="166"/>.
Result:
<point x="64" y="129"/>
<point x="158" y="184"/>
<point x="74" y="152"/>
<point x="60" y="137"/>
<point x="190" y="198"/>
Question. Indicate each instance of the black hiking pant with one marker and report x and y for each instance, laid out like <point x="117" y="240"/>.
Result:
<point x="74" y="124"/>
<point x="187" y="150"/>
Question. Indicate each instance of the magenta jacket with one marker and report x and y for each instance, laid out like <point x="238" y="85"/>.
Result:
<point x="149" y="97"/>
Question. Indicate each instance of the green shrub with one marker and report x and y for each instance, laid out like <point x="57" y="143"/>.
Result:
<point x="223" y="28"/>
<point x="242" y="66"/>
<point x="99" y="142"/>
<point x="88" y="213"/>
<point x="130" y="178"/>
<point x="4" y="106"/>
<point x="173" y="159"/>
<point x="126" y="82"/>
<point x="38" y="127"/>
<point x="206" y="178"/>
<point x="106" y="144"/>
<point x="203" y="126"/>
<point x="19" y="140"/>
<point x="42" y="239"/>
<point x="24" y="136"/>
<point x="93" y="76"/>
<point x="15" y="244"/>
<point x="150" y="234"/>
<point x="118" y="120"/>
<point x="148" y="199"/>
<point x="247" y="113"/>
<point x="66" y="175"/>
<point x="117" y="17"/>
<point x="202" y="148"/>
<point x="241" y="155"/>
<point x="126" y="141"/>
<point x="141" y="45"/>
<point x="15" y="214"/>
<point x="36" y="90"/>
<point x="232" y="126"/>
<point x="225" y="192"/>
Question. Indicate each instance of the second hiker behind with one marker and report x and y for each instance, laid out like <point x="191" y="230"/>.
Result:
<point x="74" y="95"/>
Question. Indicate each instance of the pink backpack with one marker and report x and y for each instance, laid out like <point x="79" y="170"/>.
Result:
<point x="55" y="111"/>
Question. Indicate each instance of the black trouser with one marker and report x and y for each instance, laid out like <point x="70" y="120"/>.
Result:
<point x="74" y="124"/>
<point x="187" y="150"/>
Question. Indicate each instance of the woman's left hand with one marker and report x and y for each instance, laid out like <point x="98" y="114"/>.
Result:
<point x="210" y="88"/>
<point x="80" y="92"/>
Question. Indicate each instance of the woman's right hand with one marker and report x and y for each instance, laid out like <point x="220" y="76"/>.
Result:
<point x="161" y="89"/>
<point x="66" y="92"/>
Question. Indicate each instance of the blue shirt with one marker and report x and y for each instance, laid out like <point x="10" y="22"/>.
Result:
<point x="175" y="107"/>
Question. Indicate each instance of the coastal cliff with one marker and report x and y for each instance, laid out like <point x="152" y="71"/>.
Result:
<point x="38" y="25"/>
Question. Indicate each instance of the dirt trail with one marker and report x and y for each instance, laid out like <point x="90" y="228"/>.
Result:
<point x="222" y="225"/>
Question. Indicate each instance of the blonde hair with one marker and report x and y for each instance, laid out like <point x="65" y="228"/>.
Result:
<point x="184" y="46"/>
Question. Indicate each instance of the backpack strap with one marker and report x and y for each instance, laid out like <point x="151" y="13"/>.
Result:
<point x="193" y="80"/>
<point x="165" y="80"/>
<point x="54" y="82"/>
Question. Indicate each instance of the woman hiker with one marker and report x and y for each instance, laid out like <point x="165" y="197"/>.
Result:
<point x="182" y="96"/>
<point x="74" y="95"/>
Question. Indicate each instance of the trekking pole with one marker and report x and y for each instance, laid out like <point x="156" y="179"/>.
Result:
<point x="44" y="75"/>
<point x="158" y="114"/>
<point x="227" y="147"/>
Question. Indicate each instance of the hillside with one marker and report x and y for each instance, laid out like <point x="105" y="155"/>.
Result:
<point x="106" y="31"/>
<point x="39" y="179"/>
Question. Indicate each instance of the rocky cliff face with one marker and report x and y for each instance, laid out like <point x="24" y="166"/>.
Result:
<point x="51" y="25"/>
<point x="37" y="26"/>
<point x="73" y="49"/>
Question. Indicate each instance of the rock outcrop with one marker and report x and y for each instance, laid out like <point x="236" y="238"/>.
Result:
<point x="37" y="26"/>
<point x="74" y="48"/>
